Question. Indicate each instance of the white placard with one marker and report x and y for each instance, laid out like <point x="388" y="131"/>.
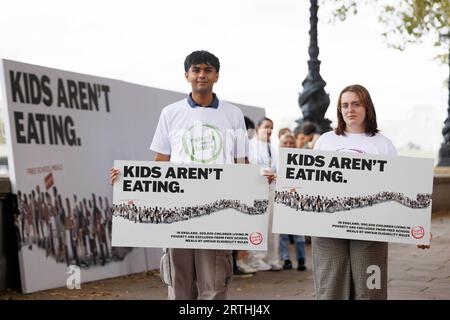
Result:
<point x="353" y="196"/>
<point x="161" y="204"/>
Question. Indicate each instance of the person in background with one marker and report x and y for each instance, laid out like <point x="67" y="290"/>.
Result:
<point x="288" y="140"/>
<point x="304" y="134"/>
<point x="305" y="137"/>
<point x="282" y="131"/>
<point x="262" y="153"/>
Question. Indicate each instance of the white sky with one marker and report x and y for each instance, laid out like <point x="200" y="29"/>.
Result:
<point x="262" y="46"/>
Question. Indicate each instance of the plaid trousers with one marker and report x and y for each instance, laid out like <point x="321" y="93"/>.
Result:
<point x="346" y="269"/>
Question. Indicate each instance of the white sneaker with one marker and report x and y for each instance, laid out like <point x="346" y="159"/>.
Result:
<point x="245" y="267"/>
<point x="261" y="265"/>
<point x="275" y="267"/>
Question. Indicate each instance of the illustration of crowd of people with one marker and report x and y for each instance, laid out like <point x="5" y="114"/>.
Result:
<point x="143" y="214"/>
<point x="75" y="232"/>
<point x="325" y="204"/>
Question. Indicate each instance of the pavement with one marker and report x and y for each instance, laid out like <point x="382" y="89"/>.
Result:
<point x="414" y="274"/>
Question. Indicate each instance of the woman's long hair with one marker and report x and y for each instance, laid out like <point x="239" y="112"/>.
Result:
<point x="370" y="122"/>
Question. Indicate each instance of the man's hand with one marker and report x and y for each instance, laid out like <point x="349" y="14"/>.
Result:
<point x="113" y="174"/>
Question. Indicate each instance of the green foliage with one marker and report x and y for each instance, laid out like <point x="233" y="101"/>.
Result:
<point x="406" y="21"/>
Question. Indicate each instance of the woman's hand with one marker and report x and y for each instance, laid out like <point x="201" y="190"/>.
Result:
<point x="425" y="246"/>
<point x="269" y="174"/>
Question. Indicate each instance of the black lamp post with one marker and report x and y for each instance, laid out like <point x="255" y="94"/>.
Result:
<point x="444" y="151"/>
<point x="313" y="100"/>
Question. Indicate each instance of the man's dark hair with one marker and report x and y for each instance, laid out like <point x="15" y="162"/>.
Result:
<point x="249" y="124"/>
<point x="307" y="129"/>
<point x="201" y="56"/>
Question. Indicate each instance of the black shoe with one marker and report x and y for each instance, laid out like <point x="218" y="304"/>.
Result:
<point x="287" y="265"/>
<point x="301" y="265"/>
<point x="237" y="272"/>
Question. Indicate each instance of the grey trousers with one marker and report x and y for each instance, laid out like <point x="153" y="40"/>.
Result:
<point x="349" y="269"/>
<point x="193" y="274"/>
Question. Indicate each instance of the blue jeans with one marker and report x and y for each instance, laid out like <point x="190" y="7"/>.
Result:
<point x="299" y="246"/>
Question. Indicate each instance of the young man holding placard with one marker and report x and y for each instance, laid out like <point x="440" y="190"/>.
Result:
<point x="200" y="129"/>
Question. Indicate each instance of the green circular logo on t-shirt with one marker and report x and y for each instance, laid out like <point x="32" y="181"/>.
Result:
<point x="202" y="143"/>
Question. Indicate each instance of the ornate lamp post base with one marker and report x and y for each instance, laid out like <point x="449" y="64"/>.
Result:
<point x="444" y="151"/>
<point x="313" y="100"/>
<point x="444" y="155"/>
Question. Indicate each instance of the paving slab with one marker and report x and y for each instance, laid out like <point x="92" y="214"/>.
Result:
<point x="414" y="274"/>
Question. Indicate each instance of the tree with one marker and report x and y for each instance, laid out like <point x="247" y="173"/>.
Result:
<point x="407" y="21"/>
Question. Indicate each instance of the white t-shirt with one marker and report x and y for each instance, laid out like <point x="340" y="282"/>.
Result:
<point x="201" y="135"/>
<point x="262" y="153"/>
<point x="356" y="143"/>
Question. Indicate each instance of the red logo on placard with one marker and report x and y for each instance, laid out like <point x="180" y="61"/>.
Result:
<point x="417" y="232"/>
<point x="255" y="238"/>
